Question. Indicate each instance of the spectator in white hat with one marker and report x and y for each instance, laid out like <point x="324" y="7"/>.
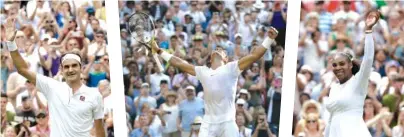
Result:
<point x="170" y="111"/>
<point x="144" y="97"/>
<point x="189" y="108"/>
<point x="241" y="49"/>
<point x="196" y="125"/>
<point x="244" y="94"/>
<point x="374" y="85"/>
<point x="241" y="109"/>
<point x="309" y="76"/>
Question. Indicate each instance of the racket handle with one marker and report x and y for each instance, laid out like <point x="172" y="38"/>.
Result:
<point x="156" y="58"/>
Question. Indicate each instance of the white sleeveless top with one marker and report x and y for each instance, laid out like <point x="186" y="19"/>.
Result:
<point x="170" y="119"/>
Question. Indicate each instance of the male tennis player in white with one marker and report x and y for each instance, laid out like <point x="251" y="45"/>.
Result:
<point x="74" y="108"/>
<point x="219" y="84"/>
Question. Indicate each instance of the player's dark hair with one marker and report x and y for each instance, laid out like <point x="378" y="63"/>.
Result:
<point x="355" y="63"/>
<point x="4" y="95"/>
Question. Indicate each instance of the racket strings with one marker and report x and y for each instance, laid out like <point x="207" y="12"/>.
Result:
<point x="142" y="27"/>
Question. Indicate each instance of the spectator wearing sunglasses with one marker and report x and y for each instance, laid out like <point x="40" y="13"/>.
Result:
<point x="42" y="126"/>
<point x="262" y="128"/>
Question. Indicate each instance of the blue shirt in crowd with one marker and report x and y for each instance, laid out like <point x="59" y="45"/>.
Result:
<point x="138" y="133"/>
<point x="189" y="109"/>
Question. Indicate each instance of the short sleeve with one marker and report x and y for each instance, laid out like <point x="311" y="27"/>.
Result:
<point x="98" y="111"/>
<point x="42" y="98"/>
<point x="43" y="83"/>
<point x="198" y="72"/>
<point x="233" y="68"/>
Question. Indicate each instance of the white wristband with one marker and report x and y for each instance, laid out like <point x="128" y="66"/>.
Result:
<point x="166" y="56"/>
<point x="11" y="46"/>
<point x="267" y="43"/>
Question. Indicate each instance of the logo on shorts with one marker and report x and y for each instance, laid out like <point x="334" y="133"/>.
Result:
<point x="82" y="98"/>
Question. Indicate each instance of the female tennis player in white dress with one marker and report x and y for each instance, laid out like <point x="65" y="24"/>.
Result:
<point x="346" y="99"/>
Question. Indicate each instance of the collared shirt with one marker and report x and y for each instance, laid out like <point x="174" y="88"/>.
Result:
<point x="70" y="114"/>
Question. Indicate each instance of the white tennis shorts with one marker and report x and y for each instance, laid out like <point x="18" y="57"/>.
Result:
<point x="225" y="129"/>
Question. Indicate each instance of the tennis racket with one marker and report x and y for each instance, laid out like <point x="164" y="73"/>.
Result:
<point x="142" y="29"/>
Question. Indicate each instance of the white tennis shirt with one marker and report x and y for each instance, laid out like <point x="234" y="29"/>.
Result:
<point x="71" y="115"/>
<point x="219" y="87"/>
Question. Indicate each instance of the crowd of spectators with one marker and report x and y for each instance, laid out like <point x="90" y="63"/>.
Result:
<point x="46" y="30"/>
<point x="170" y="103"/>
<point x="330" y="27"/>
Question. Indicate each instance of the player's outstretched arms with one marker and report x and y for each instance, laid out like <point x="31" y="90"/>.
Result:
<point x="246" y="61"/>
<point x="19" y="62"/>
<point x="173" y="60"/>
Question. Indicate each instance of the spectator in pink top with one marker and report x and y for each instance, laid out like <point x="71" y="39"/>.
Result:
<point x="42" y="127"/>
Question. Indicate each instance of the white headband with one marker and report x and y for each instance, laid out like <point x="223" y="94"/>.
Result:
<point x="71" y="56"/>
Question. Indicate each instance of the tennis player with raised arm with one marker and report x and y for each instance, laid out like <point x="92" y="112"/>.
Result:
<point x="74" y="108"/>
<point x="220" y="84"/>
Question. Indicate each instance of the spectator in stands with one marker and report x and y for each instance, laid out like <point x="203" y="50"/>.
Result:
<point x="6" y="116"/>
<point x="241" y="123"/>
<point x="42" y="127"/>
<point x="262" y="128"/>
<point x="170" y="111"/>
<point x="144" y="98"/>
<point x="312" y="126"/>
<point x="144" y="129"/>
<point x="190" y="108"/>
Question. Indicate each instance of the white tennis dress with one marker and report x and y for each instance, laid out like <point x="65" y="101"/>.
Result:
<point x="346" y="100"/>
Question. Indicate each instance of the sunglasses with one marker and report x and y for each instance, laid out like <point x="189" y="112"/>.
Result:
<point x="41" y="117"/>
<point x="305" y="72"/>
<point x="311" y="121"/>
<point x="339" y="40"/>
<point x="240" y="105"/>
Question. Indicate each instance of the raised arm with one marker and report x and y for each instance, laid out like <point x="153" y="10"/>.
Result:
<point x="173" y="60"/>
<point x="19" y="62"/>
<point x="246" y="61"/>
<point x="369" y="49"/>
